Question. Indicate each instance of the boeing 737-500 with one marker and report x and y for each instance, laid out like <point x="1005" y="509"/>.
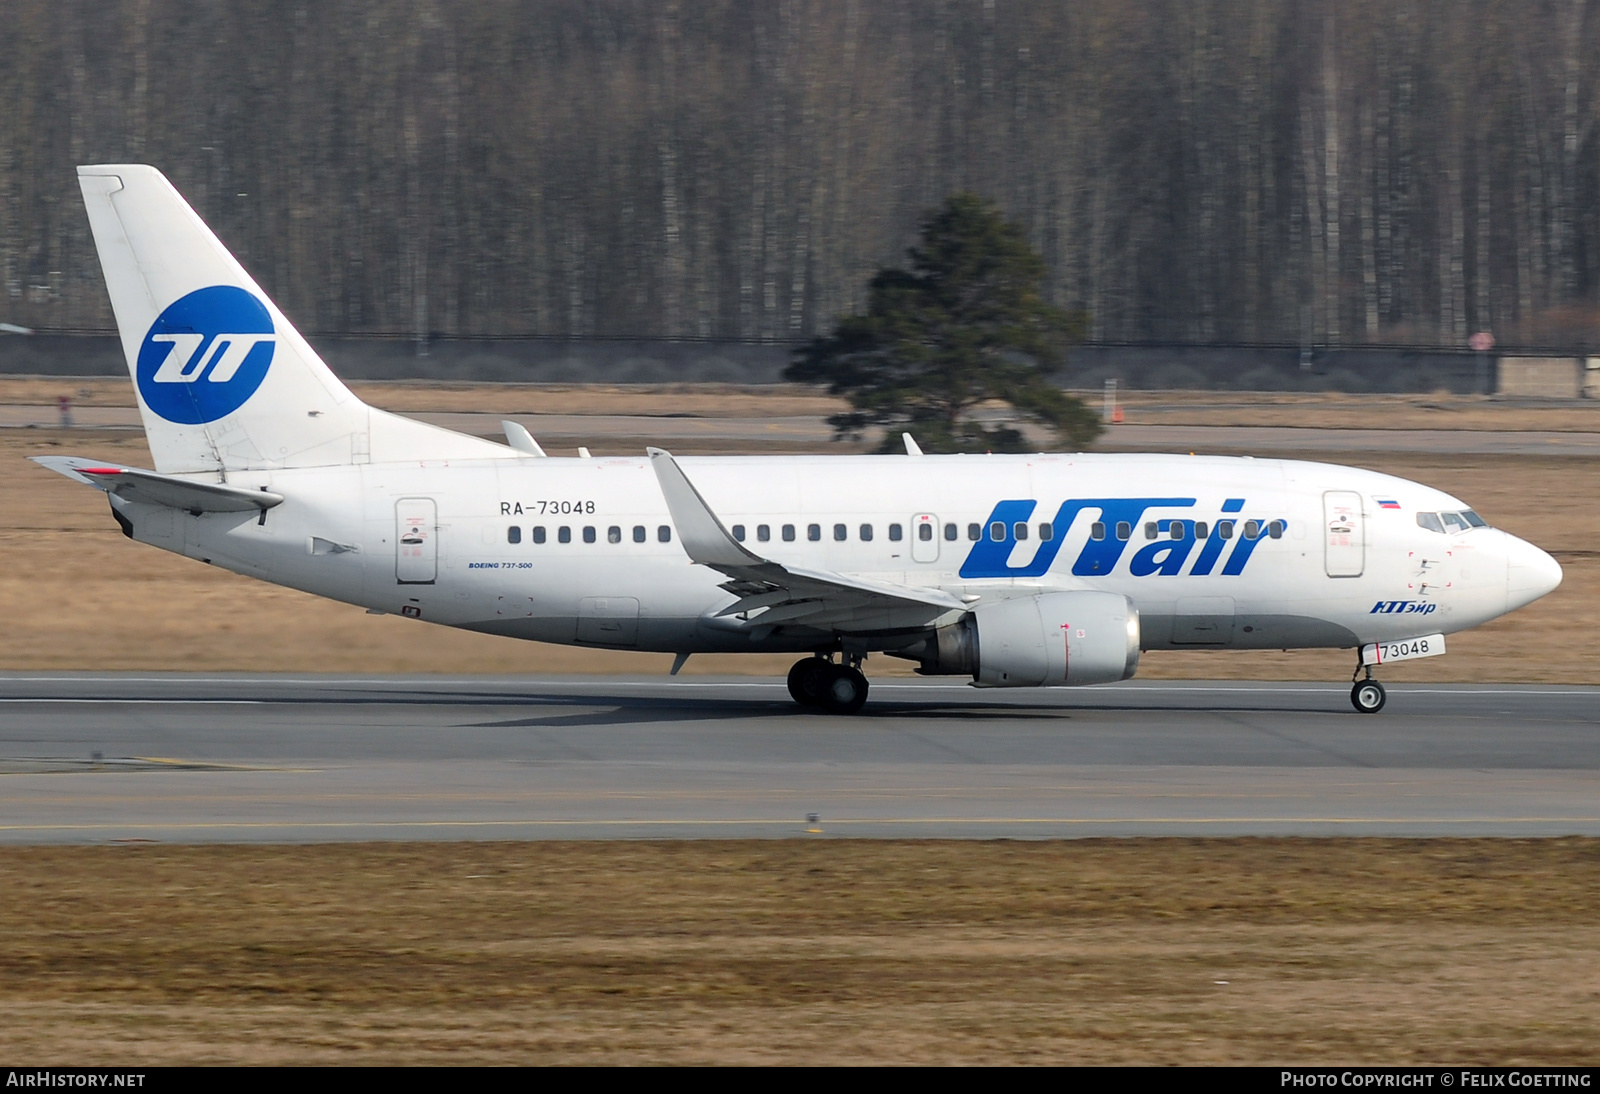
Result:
<point x="1013" y="570"/>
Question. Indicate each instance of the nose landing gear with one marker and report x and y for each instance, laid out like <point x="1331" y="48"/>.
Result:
<point x="1367" y="696"/>
<point x="820" y="682"/>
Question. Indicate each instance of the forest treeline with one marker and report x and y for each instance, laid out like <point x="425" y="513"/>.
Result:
<point x="1294" y="171"/>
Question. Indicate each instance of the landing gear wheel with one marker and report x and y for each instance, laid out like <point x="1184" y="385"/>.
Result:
<point x="846" y="690"/>
<point x="808" y="680"/>
<point x="1368" y="696"/>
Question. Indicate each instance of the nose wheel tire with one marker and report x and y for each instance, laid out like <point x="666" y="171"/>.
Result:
<point x="808" y="681"/>
<point x="1368" y="697"/>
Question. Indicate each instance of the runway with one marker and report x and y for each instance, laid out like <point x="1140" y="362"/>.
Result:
<point x="99" y="758"/>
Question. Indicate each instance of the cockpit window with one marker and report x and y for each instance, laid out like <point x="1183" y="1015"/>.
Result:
<point x="1451" y="522"/>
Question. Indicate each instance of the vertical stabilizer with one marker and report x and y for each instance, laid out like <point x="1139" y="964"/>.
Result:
<point x="224" y="381"/>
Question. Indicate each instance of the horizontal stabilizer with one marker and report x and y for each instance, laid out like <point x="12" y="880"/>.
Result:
<point x="153" y="488"/>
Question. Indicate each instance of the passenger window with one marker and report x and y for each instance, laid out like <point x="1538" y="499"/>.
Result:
<point x="1430" y="521"/>
<point x="1149" y="529"/>
<point x="1177" y="529"/>
<point x="997" y="532"/>
<point x="1201" y="529"/>
<point x="814" y="532"/>
<point x="866" y="533"/>
<point x="949" y="533"/>
<point x="1252" y="529"/>
<point x="788" y="533"/>
<point x="738" y="532"/>
<point x="564" y="534"/>
<point x="974" y="532"/>
<point x="1124" y="531"/>
<point x="1020" y="529"/>
<point x="614" y="534"/>
<point x="513" y="534"/>
<point x="1225" y="529"/>
<point x="896" y="533"/>
<point x="664" y="533"/>
<point x="1275" y="529"/>
<point x="763" y="532"/>
<point x="588" y="533"/>
<point x="638" y="533"/>
<point x="1097" y="530"/>
<point x="839" y="533"/>
<point x="1047" y="531"/>
<point x="538" y="533"/>
<point x="925" y="533"/>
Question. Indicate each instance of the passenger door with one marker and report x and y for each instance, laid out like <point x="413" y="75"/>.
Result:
<point x="416" y="541"/>
<point x="1344" y="533"/>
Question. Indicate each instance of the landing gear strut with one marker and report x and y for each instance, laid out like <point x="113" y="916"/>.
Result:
<point x="1367" y="696"/>
<point x="820" y="682"/>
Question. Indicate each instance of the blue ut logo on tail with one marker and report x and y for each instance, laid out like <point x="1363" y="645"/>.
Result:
<point x="205" y="355"/>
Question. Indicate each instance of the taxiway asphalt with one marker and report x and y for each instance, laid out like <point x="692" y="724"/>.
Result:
<point x="97" y="758"/>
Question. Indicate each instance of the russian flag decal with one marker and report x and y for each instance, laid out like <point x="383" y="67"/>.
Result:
<point x="1387" y="503"/>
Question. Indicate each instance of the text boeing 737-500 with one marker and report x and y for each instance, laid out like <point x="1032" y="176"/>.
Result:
<point x="1013" y="570"/>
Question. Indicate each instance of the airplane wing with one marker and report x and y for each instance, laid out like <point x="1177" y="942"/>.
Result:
<point x="773" y="593"/>
<point x="135" y="484"/>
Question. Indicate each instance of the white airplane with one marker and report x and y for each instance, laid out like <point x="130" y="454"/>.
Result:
<point x="1013" y="570"/>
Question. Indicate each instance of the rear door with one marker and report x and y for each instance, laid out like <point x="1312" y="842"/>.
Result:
<point x="1344" y="533"/>
<point x="416" y="541"/>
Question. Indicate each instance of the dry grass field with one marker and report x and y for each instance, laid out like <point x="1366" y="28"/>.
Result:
<point x="1096" y="952"/>
<point x="78" y="594"/>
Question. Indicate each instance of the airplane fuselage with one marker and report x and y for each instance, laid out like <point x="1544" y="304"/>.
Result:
<point x="1214" y="552"/>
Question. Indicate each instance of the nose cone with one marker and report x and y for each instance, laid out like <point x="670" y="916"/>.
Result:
<point x="1530" y="573"/>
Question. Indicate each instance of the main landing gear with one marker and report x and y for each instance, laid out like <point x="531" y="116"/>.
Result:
<point x="1367" y="696"/>
<point x="820" y="682"/>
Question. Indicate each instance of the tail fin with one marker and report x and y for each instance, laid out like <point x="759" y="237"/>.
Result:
<point x="224" y="381"/>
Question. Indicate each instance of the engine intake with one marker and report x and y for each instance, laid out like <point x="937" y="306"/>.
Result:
<point x="1051" y="640"/>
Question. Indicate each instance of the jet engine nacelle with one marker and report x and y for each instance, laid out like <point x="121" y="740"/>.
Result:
<point x="1052" y="640"/>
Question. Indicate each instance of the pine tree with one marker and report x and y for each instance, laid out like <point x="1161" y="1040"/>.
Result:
<point x="963" y="329"/>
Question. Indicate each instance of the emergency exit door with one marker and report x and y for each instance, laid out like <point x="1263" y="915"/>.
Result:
<point x="925" y="538"/>
<point x="416" y="541"/>
<point x="1344" y="534"/>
